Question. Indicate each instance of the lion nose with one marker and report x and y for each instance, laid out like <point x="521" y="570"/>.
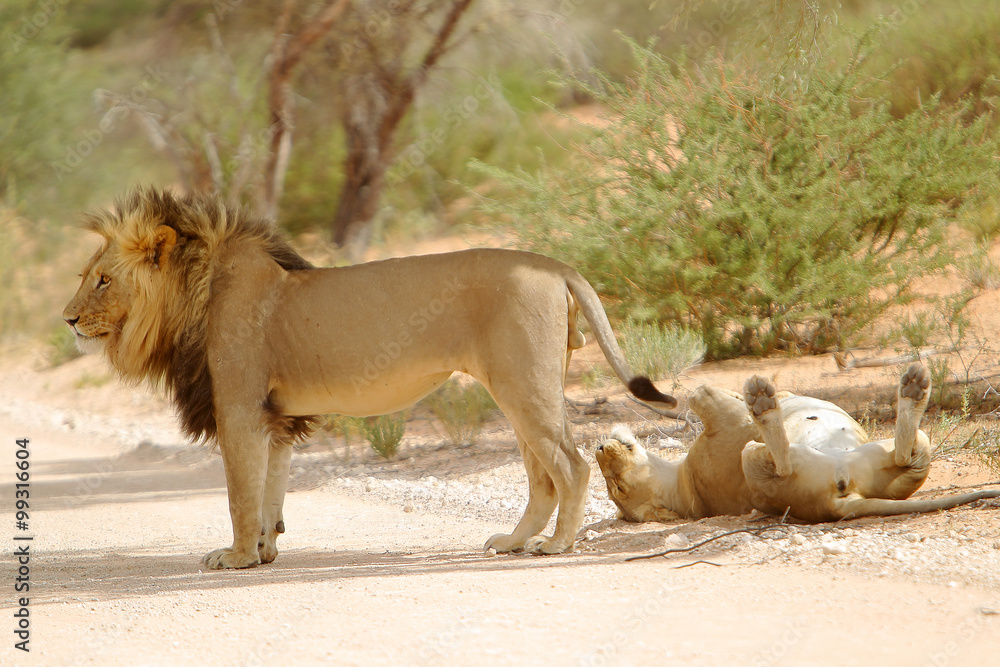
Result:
<point x="72" y="321"/>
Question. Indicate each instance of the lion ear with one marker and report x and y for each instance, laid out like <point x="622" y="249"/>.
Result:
<point x="164" y="240"/>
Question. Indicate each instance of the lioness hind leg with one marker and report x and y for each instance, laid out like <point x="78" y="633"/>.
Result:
<point x="764" y="409"/>
<point x="914" y="394"/>
<point x="542" y="501"/>
<point x="273" y="523"/>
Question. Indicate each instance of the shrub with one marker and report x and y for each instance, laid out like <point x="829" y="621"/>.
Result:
<point x="764" y="212"/>
<point x="383" y="433"/>
<point x="462" y="409"/>
<point x="660" y="352"/>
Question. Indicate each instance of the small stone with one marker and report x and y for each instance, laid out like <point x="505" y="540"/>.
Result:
<point x="899" y="554"/>
<point x="490" y="553"/>
<point x="996" y="544"/>
<point x="369" y="484"/>
<point x="677" y="541"/>
<point x="834" y="549"/>
<point x="797" y="540"/>
<point x="913" y="537"/>
<point x="849" y="532"/>
<point x="407" y="507"/>
<point x="590" y="535"/>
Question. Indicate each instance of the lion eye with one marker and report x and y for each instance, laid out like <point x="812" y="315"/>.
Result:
<point x="104" y="281"/>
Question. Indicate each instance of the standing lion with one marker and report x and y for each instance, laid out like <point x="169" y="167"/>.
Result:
<point x="253" y="342"/>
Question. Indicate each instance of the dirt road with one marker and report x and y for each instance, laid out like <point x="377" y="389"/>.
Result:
<point x="364" y="578"/>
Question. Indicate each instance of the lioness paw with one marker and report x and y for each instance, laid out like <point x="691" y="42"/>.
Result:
<point x="915" y="382"/>
<point x="759" y="395"/>
<point x="227" y="559"/>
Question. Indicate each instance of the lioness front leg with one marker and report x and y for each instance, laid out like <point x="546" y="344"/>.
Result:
<point x="244" y="457"/>
<point x="278" y="459"/>
<point x="765" y="410"/>
<point x="914" y="394"/>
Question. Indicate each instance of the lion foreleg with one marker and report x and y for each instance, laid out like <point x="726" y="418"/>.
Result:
<point x="278" y="460"/>
<point x="764" y="409"/>
<point x="244" y="457"/>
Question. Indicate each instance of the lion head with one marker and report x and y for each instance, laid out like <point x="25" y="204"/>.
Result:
<point x="144" y="295"/>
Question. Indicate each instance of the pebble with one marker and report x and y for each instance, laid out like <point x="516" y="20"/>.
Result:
<point x="913" y="537"/>
<point x="834" y="549"/>
<point x="491" y="553"/>
<point x="797" y="539"/>
<point x="677" y="541"/>
<point x="407" y="508"/>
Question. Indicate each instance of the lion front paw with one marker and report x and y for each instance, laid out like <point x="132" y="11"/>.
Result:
<point x="227" y="559"/>
<point x="759" y="395"/>
<point x="915" y="382"/>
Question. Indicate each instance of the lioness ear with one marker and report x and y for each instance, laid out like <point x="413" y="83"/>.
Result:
<point x="164" y="240"/>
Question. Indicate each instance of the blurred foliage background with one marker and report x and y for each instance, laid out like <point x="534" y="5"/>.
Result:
<point x="100" y="95"/>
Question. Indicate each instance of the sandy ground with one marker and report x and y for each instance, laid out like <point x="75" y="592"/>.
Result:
<point x="381" y="563"/>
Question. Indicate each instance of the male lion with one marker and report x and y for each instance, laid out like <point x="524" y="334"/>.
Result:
<point x="253" y="342"/>
<point x="779" y="452"/>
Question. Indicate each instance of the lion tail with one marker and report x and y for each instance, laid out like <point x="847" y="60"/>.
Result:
<point x="590" y="304"/>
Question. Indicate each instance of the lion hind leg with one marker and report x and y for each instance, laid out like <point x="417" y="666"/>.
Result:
<point x="542" y="501"/>
<point x="762" y="404"/>
<point x="914" y="394"/>
<point x="569" y="472"/>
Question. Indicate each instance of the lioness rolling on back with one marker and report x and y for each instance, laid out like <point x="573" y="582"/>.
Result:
<point x="253" y="342"/>
<point x="778" y="452"/>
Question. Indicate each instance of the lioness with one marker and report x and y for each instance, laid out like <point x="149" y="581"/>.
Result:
<point x="252" y="342"/>
<point x="779" y="452"/>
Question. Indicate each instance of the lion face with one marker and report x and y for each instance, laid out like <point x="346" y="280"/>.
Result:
<point x="98" y="311"/>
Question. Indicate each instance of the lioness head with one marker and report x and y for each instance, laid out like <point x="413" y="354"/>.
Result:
<point x="620" y="453"/>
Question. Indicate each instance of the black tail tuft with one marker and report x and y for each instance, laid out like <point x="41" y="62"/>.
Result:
<point x="643" y="389"/>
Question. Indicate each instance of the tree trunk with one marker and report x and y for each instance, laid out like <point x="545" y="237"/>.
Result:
<point x="364" y="177"/>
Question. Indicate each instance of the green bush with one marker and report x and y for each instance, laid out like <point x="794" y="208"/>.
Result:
<point x="766" y="212"/>
<point x="383" y="433"/>
<point x="462" y="409"/>
<point x="660" y="352"/>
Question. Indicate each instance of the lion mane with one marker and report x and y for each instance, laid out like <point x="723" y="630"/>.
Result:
<point x="164" y="337"/>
